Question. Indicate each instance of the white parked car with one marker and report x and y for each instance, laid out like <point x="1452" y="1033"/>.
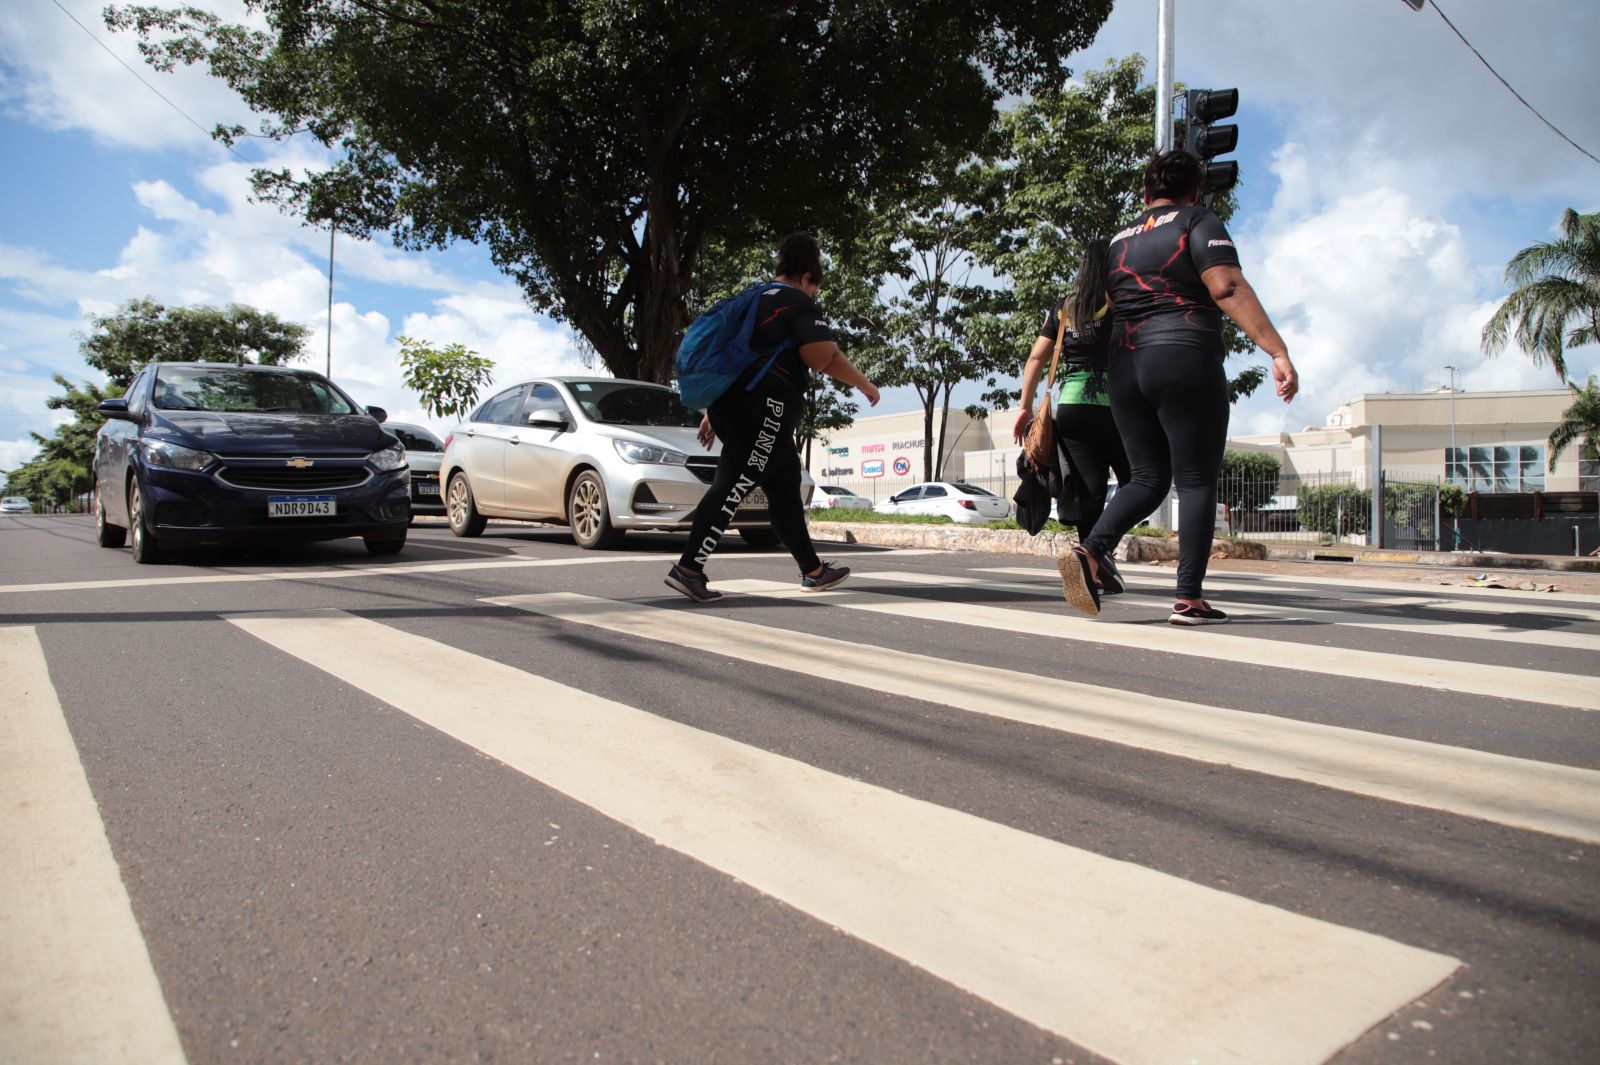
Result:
<point x="966" y="504"/>
<point x="833" y="497"/>
<point x="424" y="451"/>
<point x="602" y="455"/>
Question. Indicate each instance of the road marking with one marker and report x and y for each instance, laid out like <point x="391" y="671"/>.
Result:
<point x="76" y="982"/>
<point x="1161" y="580"/>
<point x="1471" y="678"/>
<point x="1561" y="800"/>
<point x="1463" y="590"/>
<point x="1578" y="641"/>
<point x="347" y="572"/>
<point x="1134" y="964"/>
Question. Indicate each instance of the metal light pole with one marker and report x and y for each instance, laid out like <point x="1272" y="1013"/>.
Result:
<point x="1455" y="456"/>
<point x="1164" y="36"/>
<point x="332" y="229"/>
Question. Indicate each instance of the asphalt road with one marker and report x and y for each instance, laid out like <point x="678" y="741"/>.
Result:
<point x="505" y="800"/>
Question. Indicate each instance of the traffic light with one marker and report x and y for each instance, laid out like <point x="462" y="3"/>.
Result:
<point x="1202" y="108"/>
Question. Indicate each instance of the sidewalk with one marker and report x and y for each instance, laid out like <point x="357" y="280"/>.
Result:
<point x="1524" y="572"/>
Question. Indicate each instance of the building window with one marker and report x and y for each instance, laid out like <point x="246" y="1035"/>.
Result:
<point x="1589" y="470"/>
<point x="1498" y="468"/>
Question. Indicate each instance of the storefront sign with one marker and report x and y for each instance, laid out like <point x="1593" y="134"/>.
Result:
<point x="872" y="449"/>
<point x="872" y="468"/>
<point x="908" y="445"/>
<point x="902" y="466"/>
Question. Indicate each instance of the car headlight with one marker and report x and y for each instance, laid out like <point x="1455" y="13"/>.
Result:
<point x="172" y="456"/>
<point x="632" y="452"/>
<point x="390" y="458"/>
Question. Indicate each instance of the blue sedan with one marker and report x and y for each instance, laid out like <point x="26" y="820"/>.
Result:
<point x="212" y="453"/>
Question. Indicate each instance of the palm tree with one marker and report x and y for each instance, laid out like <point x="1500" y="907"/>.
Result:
<point x="1557" y="284"/>
<point x="1580" y="424"/>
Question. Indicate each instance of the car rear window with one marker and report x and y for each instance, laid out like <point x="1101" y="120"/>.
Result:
<point x="227" y="389"/>
<point x="632" y="403"/>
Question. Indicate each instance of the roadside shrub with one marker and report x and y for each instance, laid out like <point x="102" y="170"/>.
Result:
<point x="1334" y="509"/>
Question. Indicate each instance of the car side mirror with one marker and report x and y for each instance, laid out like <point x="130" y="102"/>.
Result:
<point x="547" y="419"/>
<point x="116" y="408"/>
<point x="379" y="414"/>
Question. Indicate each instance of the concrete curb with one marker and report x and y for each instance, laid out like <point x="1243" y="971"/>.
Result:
<point x="1158" y="549"/>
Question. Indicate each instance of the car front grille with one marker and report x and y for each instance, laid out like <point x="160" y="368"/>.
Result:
<point x="289" y="479"/>
<point x="703" y="467"/>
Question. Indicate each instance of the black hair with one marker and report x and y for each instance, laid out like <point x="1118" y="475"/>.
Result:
<point x="1174" y="175"/>
<point x="1088" y="296"/>
<point x="798" y="255"/>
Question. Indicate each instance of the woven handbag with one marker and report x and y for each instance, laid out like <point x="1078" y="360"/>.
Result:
<point x="1039" y="446"/>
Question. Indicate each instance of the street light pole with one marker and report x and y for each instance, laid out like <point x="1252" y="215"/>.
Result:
<point x="1164" y="33"/>
<point x="1455" y="457"/>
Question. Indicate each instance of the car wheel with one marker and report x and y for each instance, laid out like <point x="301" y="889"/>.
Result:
<point x="464" y="517"/>
<point x="107" y="534"/>
<point x="384" y="545"/>
<point x="146" y="548"/>
<point x="760" y="537"/>
<point x="588" y="514"/>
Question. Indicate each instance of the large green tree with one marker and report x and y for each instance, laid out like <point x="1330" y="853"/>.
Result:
<point x="1580" y="423"/>
<point x="1555" y="302"/>
<point x="143" y="330"/>
<point x="60" y="471"/>
<point x="600" y="147"/>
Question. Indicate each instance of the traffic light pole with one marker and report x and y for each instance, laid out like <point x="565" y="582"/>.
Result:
<point x="1164" y="82"/>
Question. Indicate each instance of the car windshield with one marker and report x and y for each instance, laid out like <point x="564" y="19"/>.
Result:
<point x="632" y="403"/>
<point x="971" y="489"/>
<point x="414" y="437"/>
<point x="237" y="389"/>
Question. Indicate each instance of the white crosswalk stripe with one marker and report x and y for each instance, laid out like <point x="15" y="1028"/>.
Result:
<point x="1473" y="678"/>
<point x="1135" y="964"/>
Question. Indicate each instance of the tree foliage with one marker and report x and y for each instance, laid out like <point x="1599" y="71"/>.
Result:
<point x="145" y="331"/>
<point x="62" y="469"/>
<point x="1249" y="481"/>
<point x="1580" y="423"/>
<point x="600" y="147"/>
<point x="1555" y="304"/>
<point x="447" y="379"/>
<point x="1335" y="510"/>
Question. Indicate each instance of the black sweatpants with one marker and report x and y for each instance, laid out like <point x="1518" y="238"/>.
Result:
<point x="1087" y="433"/>
<point x="1171" y="407"/>
<point x="757" y="433"/>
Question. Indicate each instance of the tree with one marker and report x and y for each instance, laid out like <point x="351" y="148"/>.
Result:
<point x="63" y="468"/>
<point x="446" y="379"/>
<point x="1249" y="481"/>
<point x="1555" y="304"/>
<point x="1580" y="423"/>
<point x="145" y="331"/>
<point x="1335" y="510"/>
<point x="599" y="147"/>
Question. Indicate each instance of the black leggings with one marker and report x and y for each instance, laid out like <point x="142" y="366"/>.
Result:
<point x="1171" y="406"/>
<point x="757" y="433"/>
<point x="1087" y="433"/>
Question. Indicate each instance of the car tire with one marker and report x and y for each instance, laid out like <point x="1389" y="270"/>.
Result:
<point x="146" y="548"/>
<point x="462" y="509"/>
<point x="385" y="545"/>
<point x="105" y="533"/>
<point x="760" y="537"/>
<point x="588" y="514"/>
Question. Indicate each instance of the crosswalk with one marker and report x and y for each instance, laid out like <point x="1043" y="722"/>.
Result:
<point x="1133" y="963"/>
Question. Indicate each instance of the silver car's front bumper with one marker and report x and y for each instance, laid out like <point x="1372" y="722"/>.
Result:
<point x="664" y="497"/>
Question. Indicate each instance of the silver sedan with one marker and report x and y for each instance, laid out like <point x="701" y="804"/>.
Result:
<point x="600" y="454"/>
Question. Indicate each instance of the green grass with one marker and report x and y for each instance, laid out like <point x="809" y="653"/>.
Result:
<point x="834" y="514"/>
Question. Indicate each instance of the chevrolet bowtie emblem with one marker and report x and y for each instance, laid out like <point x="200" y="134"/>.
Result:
<point x="299" y="463"/>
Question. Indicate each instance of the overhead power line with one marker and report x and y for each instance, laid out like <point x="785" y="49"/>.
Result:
<point x="1434" y="4"/>
<point x="146" y="84"/>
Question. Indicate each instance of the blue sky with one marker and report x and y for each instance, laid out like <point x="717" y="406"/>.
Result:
<point x="1388" y="177"/>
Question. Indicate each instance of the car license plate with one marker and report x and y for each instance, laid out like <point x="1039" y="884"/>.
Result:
<point x="755" y="499"/>
<point x="427" y="488"/>
<point x="301" y="506"/>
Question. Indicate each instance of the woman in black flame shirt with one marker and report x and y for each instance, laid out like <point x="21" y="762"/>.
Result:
<point x="1173" y="272"/>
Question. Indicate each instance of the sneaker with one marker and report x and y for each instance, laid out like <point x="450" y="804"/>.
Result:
<point x="692" y="585"/>
<point x="831" y="577"/>
<point x="1082" y="593"/>
<point x="1184" y="614"/>
<point x="1111" y="582"/>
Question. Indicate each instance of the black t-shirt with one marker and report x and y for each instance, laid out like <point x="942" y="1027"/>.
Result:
<point x="1154" y="278"/>
<point x="786" y="315"/>
<point x="1077" y="351"/>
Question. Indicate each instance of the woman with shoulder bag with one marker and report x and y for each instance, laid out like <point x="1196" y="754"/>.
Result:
<point x="1079" y="328"/>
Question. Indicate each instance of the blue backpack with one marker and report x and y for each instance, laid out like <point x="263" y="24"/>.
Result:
<point x="717" y="348"/>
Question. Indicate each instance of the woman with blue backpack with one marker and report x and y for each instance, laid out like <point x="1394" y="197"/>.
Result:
<point x="750" y="360"/>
